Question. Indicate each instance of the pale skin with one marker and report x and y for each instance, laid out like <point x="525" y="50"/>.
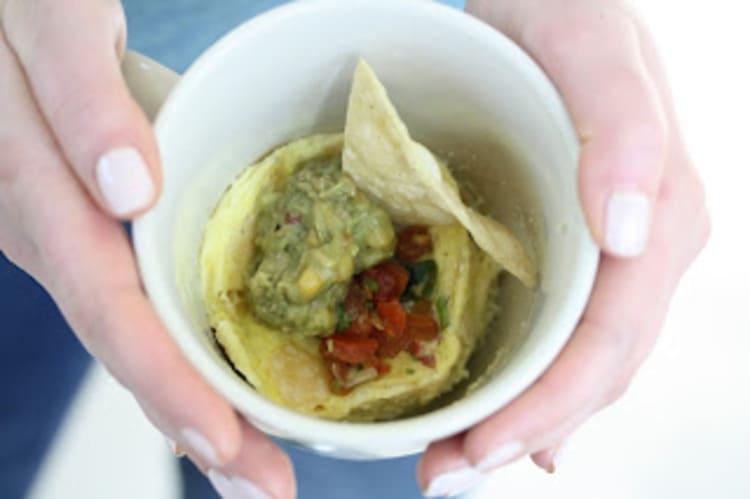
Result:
<point x="65" y="106"/>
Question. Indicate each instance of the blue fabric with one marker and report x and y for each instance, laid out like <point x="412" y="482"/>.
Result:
<point x="175" y="32"/>
<point x="41" y="366"/>
<point x="42" y="363"/>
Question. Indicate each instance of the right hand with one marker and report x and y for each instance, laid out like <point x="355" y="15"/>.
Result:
<point x="77" y="155"/>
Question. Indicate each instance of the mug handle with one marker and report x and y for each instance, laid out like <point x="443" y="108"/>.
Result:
<point x="149" y="82"/>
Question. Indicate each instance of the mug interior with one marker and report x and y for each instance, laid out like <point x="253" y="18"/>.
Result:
<point x="463" y="90"/>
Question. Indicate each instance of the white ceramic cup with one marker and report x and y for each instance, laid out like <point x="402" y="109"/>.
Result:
<point x="463" y="89"/>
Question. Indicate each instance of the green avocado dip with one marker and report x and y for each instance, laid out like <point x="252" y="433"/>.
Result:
<point x="311" y="237"/>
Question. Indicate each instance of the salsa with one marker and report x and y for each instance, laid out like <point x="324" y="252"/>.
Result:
<point x="388" y="309"/>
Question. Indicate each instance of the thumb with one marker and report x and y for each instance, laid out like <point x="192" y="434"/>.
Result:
<point x="594" y="58"/>
<point x="70" y="53"/>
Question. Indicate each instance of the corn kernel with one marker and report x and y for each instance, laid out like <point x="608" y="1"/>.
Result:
<point x="309" y="284"/>
<point x="345" y="268"/>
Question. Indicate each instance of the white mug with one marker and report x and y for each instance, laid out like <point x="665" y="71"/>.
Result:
<point x="463" y="89"/>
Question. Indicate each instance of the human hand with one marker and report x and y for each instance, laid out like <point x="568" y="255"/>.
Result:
<point x="76" y="155"/>
<point x="645" y="208"/>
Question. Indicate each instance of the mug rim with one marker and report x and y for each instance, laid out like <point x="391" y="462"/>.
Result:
<point x="436" y="424"/>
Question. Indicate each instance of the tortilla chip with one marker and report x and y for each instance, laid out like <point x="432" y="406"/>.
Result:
<point x="413" y="186"/>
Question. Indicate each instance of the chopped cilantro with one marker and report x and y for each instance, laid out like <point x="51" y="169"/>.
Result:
<point x="343" y="318"/>
<point x="371" y="284"/>
<point x="422" y="277"/>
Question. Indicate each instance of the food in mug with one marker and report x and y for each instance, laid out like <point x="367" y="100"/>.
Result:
<point x="343" y="275"/>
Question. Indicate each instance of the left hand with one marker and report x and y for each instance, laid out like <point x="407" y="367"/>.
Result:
<point x="645" y="208"/>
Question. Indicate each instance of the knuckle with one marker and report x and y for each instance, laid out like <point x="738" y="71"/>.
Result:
<point x="615" y="338"/>
<point x="701" y="218"/>
<point x="19" y="165"/>
<point x="684" y="194"/>
<point x="33" y="27"/>
<point x="647" y="133"/>
<point x="22" y="164"/>
<point x="616" y="391"/>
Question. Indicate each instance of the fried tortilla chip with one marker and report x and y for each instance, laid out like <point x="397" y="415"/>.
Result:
<point x="409" y="182"/>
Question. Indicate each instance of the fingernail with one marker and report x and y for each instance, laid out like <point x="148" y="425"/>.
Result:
<point x="202" y="448"/>
<point x="628" y="223"/>
<point x="560" y="457"/>
<point x="453" y="483"/>
<point x="502" y="455"/>
<point x="235" y="487"/>
<point x="176" y="449"/>
<point x="124" y="180"/>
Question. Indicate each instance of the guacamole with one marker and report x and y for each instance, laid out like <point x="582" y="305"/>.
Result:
<point x="312" y="236"/>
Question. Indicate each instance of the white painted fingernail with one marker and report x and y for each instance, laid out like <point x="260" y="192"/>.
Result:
<point x="176" y="449"/>
<point x="202" y="448"/>
<point x="453" y="482"/>
<point x="560" y="456"/>
<point x="124" y="180"/>
<point x="502" y="455"/>
<point x="628" y="223"/>
<point x="235" y="487"/>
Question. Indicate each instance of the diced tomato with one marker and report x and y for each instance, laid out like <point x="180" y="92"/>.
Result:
<point x="422" y="307"/>
<point x="422" y="327"/>
<point x="356" y="307"/>
<point x="349" y="348"/>
<point x="383" y="367"/>
<point x="391" y="279"/>
<point x="356" y="299"/>
<point x="393" y="316"/>
<point x="428" y="361"/>
<point x="414" y="242"/>
<point x="361" y="325"/>
<point x="390" y="346"/>
<point x="414" y="348"/>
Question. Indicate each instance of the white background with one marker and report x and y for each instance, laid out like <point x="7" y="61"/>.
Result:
<point x="682" y="429"/>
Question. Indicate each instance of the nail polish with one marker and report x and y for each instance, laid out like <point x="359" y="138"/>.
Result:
<point x="202" y="448"/>
<point x="124" y="180"/>
<point x="235" y="487"/>
<point x="628" y="223"/>
<point x="453" y="482"/>
<point x="502" y="455"/>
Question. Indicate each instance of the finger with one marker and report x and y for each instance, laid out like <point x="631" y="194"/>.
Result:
<point x="594" y="58"/>
<point x="592" y="54"/>
<point x="617" y="331"/>
<point x="591" y="371"/>
<point x="69" y="51"/>
<point x="84" y="259"/>
<point x="549" y="459"/>
<point x="260" y="470"/>
<point x="444" y="470"/>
